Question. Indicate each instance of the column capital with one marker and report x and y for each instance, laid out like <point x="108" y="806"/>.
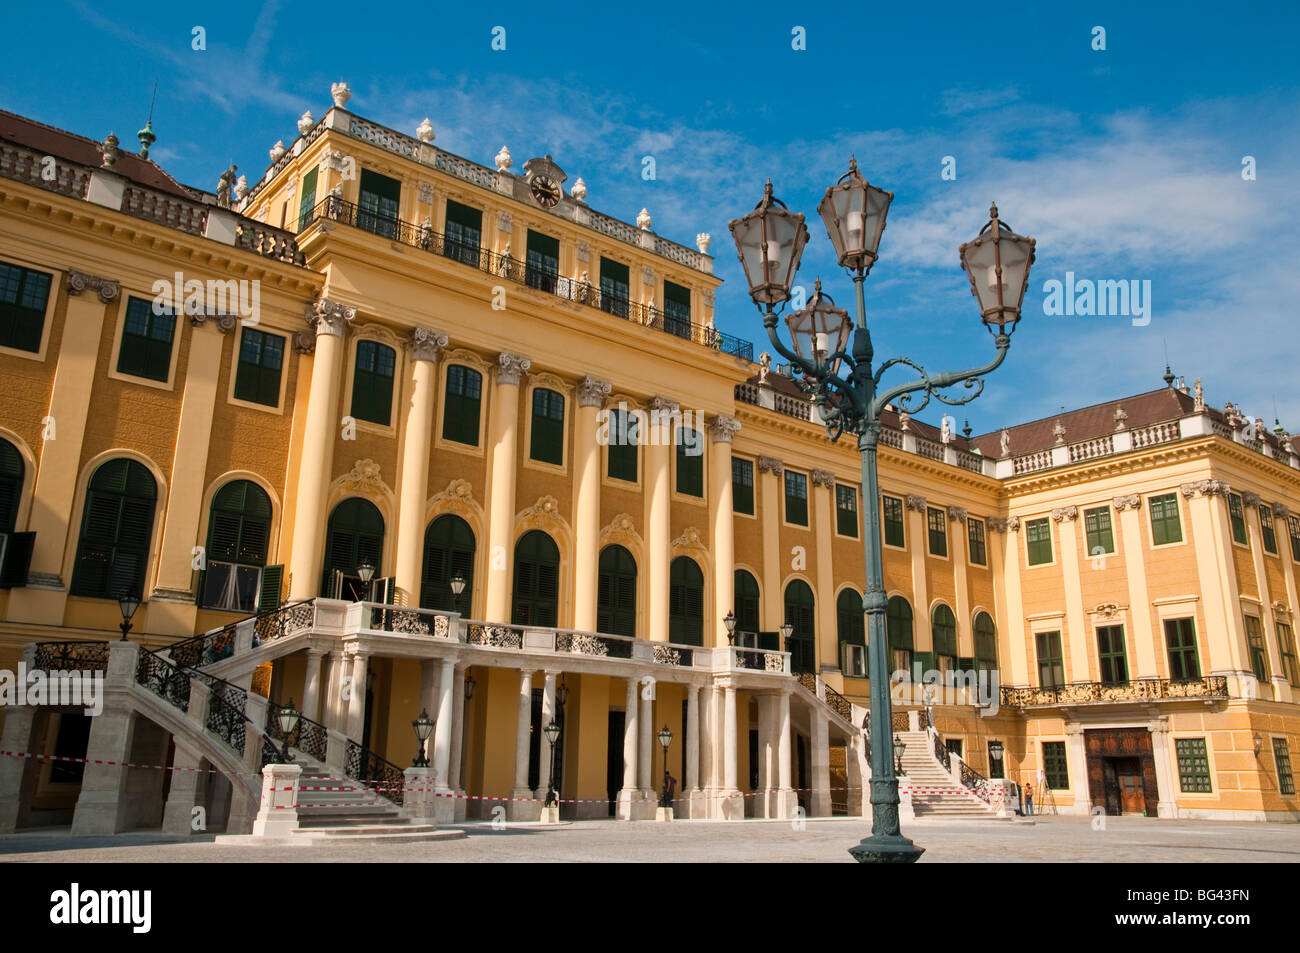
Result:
<point x="79" y="281"/>
<point x="1010" y="524"/>
<point x="1281" y="511"/>
<point x="1250" y="499"/>
<point x="722" y="428"/>
<point x="510" y="367"/>
<point x="330" y="317"/>
<point x="1065" y="513"/>
<point x="1205" y="488"/>
<point x="823" y="478"/>
<point x="957" y="513"/>
<point x="426" y="343"/>
<point x="770" y="465"/>
<point x="1129" y="502"/>
<point x="914" y="502"/>
<point x="592" y="391"/>
<point x="664" y="405"/>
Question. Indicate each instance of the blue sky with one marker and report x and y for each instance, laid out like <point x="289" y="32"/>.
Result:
<point x="1123" y="163"/>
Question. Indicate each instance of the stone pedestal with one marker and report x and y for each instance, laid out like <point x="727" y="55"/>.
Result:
<point x="663" y="814"/>
<point x="188" y="785"/>
<point x="550" y="815"/>
<point x="731" y="806"/>
<point x="17" y="775"/>
<point x="418" y="801"/>
<point x="277" y="815"/>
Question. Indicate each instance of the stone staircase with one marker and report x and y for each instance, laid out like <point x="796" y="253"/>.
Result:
<point x="934" y="793"/>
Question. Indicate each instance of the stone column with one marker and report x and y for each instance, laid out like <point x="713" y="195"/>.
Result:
<point x="1077" y="759"/>
<point x="42" y="599"/>
<point x="429" y="688"/>
<point x="709" y="758"/>
<point x="731" y="806"/>
<point x="958" y="549"/>
<point x="722" y="520"/>
<point x="1251" y="503"/>
<point x="786" y="799"/>
<point x="629" y="796"/>
<point x="1130" y="515"/>
<point x="1011" y="632"/>
<point x="519" y="810"/>
<point x="918" y="539"/>
<point x="413" y="484"/>
<point x="102" y="807"/>
<point x="586" y="505"/>
<point x="185" y="792"/>
<point x="311" y="686"/>
<point x="330" y="319"/>
<point x="544" y="747"/>
<point x="646" y="743"/>
<point x="1220" y="594"/>
<point x="1166" y="805"/>
<point x="503" y="453"/>
<point x="765" y="796"/>
<point x="17" y="775"/>
<point x="658" y="521"/>
<point x="458" y="704"/>
<point x="819" y="804"/>
<point x="1076" y="635"/>
<point x="334" y="705"/>
<point x="357" y="701"/>
<point x="823" y="521"/>
<point x="691" y="783"/>
<point x="444" y="725"/>
<point x="770" y="490"/>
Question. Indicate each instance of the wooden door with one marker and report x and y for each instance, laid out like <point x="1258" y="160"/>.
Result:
<point x="1129" y="775"/>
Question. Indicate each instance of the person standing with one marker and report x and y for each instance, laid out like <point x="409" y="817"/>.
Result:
<point x="1029" y="799"/>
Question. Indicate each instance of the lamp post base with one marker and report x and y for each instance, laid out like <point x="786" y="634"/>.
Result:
<point x="886" y="849"/>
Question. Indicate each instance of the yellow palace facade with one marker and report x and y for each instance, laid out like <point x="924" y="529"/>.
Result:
<point x="294" y="418"/>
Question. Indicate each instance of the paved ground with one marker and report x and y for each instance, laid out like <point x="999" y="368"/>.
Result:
<point x="1049" y="839"/>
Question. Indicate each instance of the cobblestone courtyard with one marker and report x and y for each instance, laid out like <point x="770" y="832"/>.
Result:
<point x="1129" y="839"/>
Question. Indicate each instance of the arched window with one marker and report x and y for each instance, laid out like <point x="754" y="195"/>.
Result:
<point x="686" y="602"/>
<point x="372" y="382"/>
<point x="986" y="643"/>
<point x="448" y="552"/>
<point x="11" y="485"/>
<point x="460" y="408"/>
<point x="537" y="580"/>
<point x="547" y="441"/>
<point x="943" y="629"/>
<point x="898" y="625"/>
<point x="851" y="627"/>
<point x="236" y="577"/>
<point x="747" y="602"/>
<point x="800" y="609"/>
<point x="116" y="529"/>
<point x="616" y="593"/>
<point x="355" y="536"/>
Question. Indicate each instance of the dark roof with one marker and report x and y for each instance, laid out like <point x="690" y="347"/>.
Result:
<point x="48" y="140"/>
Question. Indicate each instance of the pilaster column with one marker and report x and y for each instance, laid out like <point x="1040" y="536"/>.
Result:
<point x="586" y="503"/>
<point x="646" y="740"/>
<point x="311" y="685"/>
<point x="523" y="723"/>
<point x="819" y="805"/>
<point x="59" y="460"/>
<point x="417" y="434"/>
<point x="765" y="796"/>
<point x="917" y="533"/>
<point x="1166" y="805"/>
<point x="1011" y="631"/>
<point x="1217" y="575"/>
<point x="357" y="705"/>
<point x="544" y="747"/>
<point x="628" y="796"/>
<point x="503" y="447"/>
<point x="691" y="783"/>
<point x="457" y="727"/>
<point x="1130" y="515"/>
<point x="330" y="320"/>
<point x="658" y="521"/>
<point x="730" y="806"/>
<point x="1077" y="635"/>
<point x="786" y="801"/>
<point x="443" y="726"/>
<point x="770" y="490"/>
<point x="722" y="522"/>
<point x="823" y="507"/>
<point x="1077" y="760"/>
<point x="958" y="547"/>
<point x="1262" y="590"/>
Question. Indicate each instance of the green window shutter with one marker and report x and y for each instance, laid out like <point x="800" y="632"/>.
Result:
<point x="690" y="463"/>
<point x="892" y="508"/>
<point x="685" y="602"/>
<point x="937" y="526"/>
<point x="461" y="407"/>
<point x="17" y="559"/>
<point x="542" y="265"/>
<point x="536" y="591"/>
<point x="614" y="287"/>
<point x="1051" y="667"/>
<point x="742" y="486"/>
<point x="1258" y="653"/>
<point x="1237" y="516"/>
<point x="624" y="435"/>
<point x="1111" y="655"/>
<point x="943" y="627"/>
<point x="1038" y="538"/>
<point x="547" y="442"/>
<point x="1193" y="765"/>
<point x="1165" y="525"/>
<point x="1101" y="538"/>
<point x="372" y="382"/>
<point x="353" y="536"/>
<point x="379" y="201"/>
<point x="677" y="310"/>
<point x="261" y="358"/>
<point x="23" y="296"/>
<point x="307" y="203"/>
<point x="1267" y="536"/>
<point x="12" y="470"/>
<point x="1180" y="638"/>
<point x="616" y="592"/>
<point x="449" y="549"/>
<point x="846" y="510"/>
<point x="986" y="645"/>
<point x="975" y="540"/>
<point x="850" y="619"/>
<point x="272" y="586"/>
<point x="796" y="498"/>
<point x="463" y="233"/>
<point x="1056" y="769"/>
<point x="146" y="346"/>
<point x="116" y="531"/>
<point x="747" y="602"/>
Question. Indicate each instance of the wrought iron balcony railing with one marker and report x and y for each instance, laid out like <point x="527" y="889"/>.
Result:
<point x="518" y="271"/>
<point x="1141" y="689"/>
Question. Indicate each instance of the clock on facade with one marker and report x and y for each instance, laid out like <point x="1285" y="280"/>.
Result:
<point x="546" y="191"/>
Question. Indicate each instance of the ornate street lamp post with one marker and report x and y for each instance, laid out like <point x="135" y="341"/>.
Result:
<point x="729" y="620"/>
<point x="552" y="732"/>
<point x="287" y="718"/>
<point x="423" y="728"/>
<point x="366" y="572"/>
<point x="770" y="241"/>
<point x="665" y="739"/>
<point x="127" y="603"/>
<point x="457" y="587"/>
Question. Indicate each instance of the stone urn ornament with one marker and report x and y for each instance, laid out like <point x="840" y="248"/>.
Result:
<point x="643" y="220"/>
<point x="503" y="160"/>
<point x="702" y="242"/>
<point x="277" y="150"/>
<point x="305" y="122"/>
<point x="425" y="130"/>
<point x="341" y="93"/>
<point x="579" y="190"/>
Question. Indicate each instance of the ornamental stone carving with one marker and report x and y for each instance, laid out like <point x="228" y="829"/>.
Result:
<point x="224" y="322"/>
<point x="1107" y="610"/>
<point x="109" y="151"/>
<point x="690" y="539"/>
<point x="592" y="392"/>
<point x="584" y="252"/>
<point x="1004" y="442"/>
<point x="722" y="428"/>
<point x="510" y="367"/>
<point x="1205" y="488"/>
<point x="277" y="151"/>
<point x="1065" y="513"/>
<point x="643" y="220"/>
<point x="546" y="507"/>
<point x="957" y="513"/>
<point x="1130" y="502"/>
<point x="340" y="93"/>
<point x="620" y="524"/>
<point x="664" y="407"/>
<point x="330" y="317"/>
<point x="823" y="478"/>
<point x="79" y="281"/>
<point x="504" y="222"/>
<point x="426" y="193"/>
<point x="648" y="277"/>
<point x="1281" y="511"/>
<point x="304" y="342"/>
<point x="770" y="465"/>
<point x="305" y="122"/>
<point x="1249" y="498"/>
<point x="363" y="476"/>
<point x="503" y="160"/>
<point x="707" y="297"/>
<point x="456" y="490"/>
<point x="426" y="343"/>
<point x="1120" y="418"/>
<point x="914" y="502"/>
<point x="904" y="421"/>
<point x="1058" y="431"/>
<point x="1198" y="397"/>
<point x="1010" y="524"/>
